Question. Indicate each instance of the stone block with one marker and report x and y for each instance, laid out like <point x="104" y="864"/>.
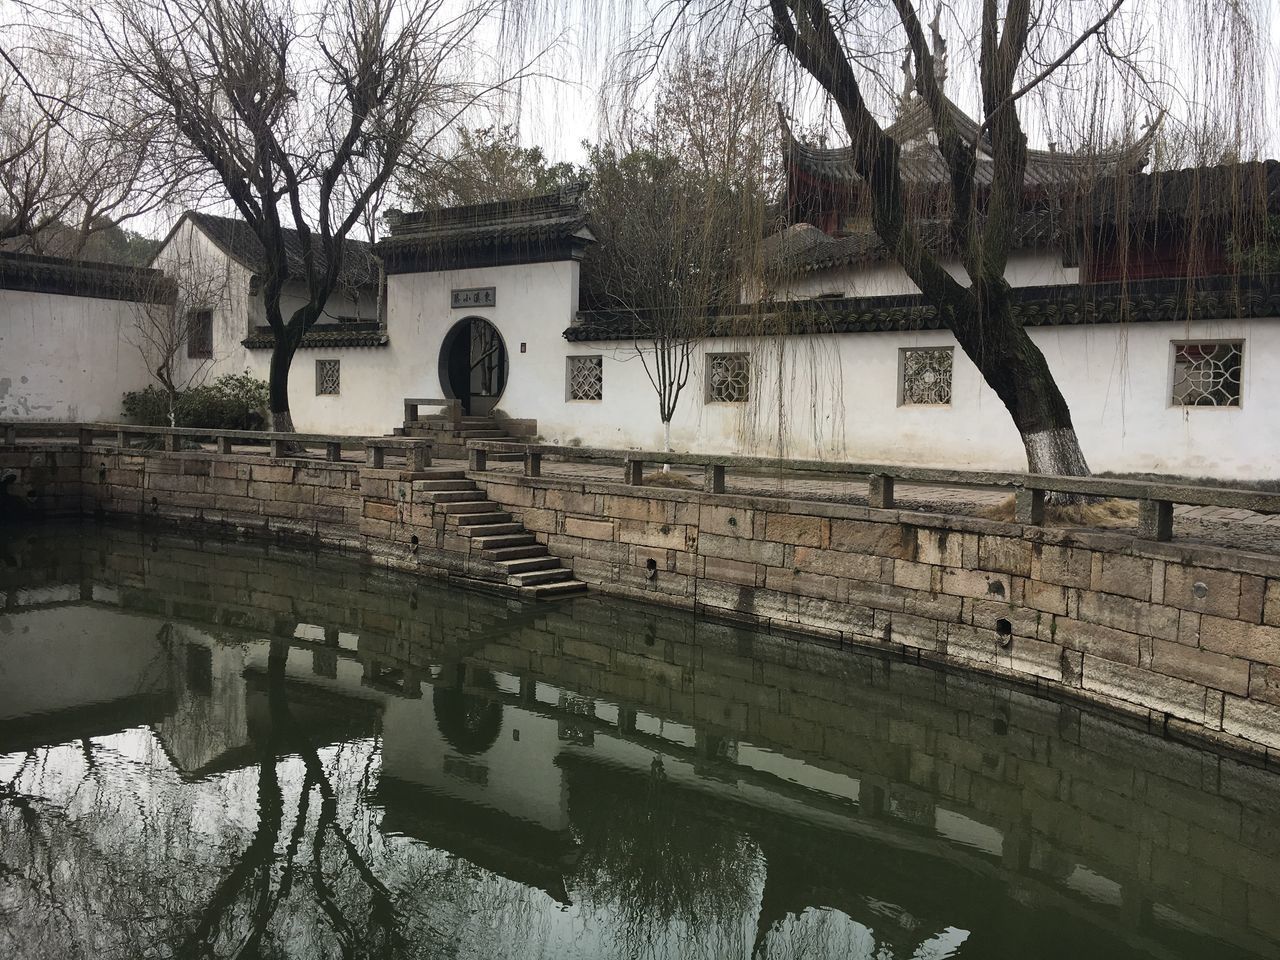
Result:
<point x="1181" y="698"/>
<point x="976" y="583"/>
<point x="787" y="580"/>
<point x="1100" y="641"/>
<point x="1271" y="604"/>
<point x="836" y="563"/>
<point x="1024" y="621"/>
<point x="920" y="633"/>
<point x="1066" y="566"/>
<point x="1004" y="555"/>
<point x="753" y="551"/>
<point x="726" y="521"/>
<point x="268" y="473"/>
<point x="971" y="643"/>
<point x="639" y="508"/>
<point x="943" y="548"/>
<point x="293" y="492"/>
<point x="571" y="501"/>
<point x="913" y="576"/>
<point x="1252" y="719"/>
<point x="732" y="571"/>
<point x="1216" y="670"/>
<point x="582" y="527"/>
<point x="1036" y="658"/>
<point x="1252" y="598"/>
<point x="1264" y="682"/>
<point x="865" y="536"/>
<point x="1049" y="597"/>
<point x="665" y="559"/>
<point x="379" y="510"/>
<point x="1247" y="640"/>
<point x="1122" y="575"/>
<point x="796" y="528"/>
<point x="1202" y="589"/>
<point x="666" y="536"/>
<point x="1125" y="613"/>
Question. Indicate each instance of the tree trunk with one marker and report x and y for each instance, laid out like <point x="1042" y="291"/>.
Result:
<point x="1017" y="371"/>
<point x="278" y="387"/>
<point x="666" y="443"/>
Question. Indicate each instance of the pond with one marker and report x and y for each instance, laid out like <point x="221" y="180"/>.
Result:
<point x="221" y="749"/>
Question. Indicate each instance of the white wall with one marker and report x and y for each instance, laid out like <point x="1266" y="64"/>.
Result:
<point x="1026" y="268"/>
<point x="65" y="357"/>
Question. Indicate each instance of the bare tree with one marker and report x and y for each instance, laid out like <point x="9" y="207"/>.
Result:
<point x="677" y="202"/>
<point x="300" y="112"/>
<point x="75" y="160"/>
<point x="1021" y="45"/>
<point x="174" y="332"/>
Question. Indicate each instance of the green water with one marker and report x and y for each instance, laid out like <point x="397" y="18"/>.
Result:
<point x="219" y="749"/>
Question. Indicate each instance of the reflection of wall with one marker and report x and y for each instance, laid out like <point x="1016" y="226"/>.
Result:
<point x="74" y="657"/>
<point x="516" y="776"/>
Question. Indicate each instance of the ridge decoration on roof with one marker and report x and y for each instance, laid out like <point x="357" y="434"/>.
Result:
<point x="922" y="163"/>
<point x="552" y="226"/>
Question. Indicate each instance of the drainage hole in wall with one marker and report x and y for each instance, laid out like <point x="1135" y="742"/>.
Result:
<point x="1004" y="631"/>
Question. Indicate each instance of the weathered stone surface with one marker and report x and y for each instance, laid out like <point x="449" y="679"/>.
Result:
<point x="1127" y="614"/>
<point x="796" y="528"/>
<point x="732" y="571"/>
<point x="977" y="583"/>
<point x="1100" y="641"/>
<point x="377" y="510"/>
<point x="1264" y="682"/>
<point x="1144" y="687"/>
<point x="863" y="536"/>
<point x="1216" y="670"/>
<point x="668" y="536"/>
<point x="786" y="580"/>
<point x="1221" y="589"/>
<point x="754" y="551"/>
<point x="1067" y="566"/>
<point x="1004" y="555"/>
<point x="1122" y="575"/>
<point x="726" y="521"/>
<point x="913" y="576"/>
<point x="1250" y="641"/>
<point x="835" y="563"/>
<point x="1253" y="720"/>
<point x="943" y="548"/>
<point x="587" y="529"/>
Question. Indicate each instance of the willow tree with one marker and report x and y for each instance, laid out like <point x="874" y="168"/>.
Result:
<point x="1021" y="47"/>
<point x="300" y="112"/>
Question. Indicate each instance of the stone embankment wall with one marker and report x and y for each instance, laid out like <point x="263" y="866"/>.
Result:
<point x="1187" y="637"/>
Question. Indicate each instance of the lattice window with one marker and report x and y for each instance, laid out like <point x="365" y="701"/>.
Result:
<point x="728" y="377"/>
<point x="1207" y="374"/>
<point x="586" y="378"/>
<point x="926" y="375"/>
<point x="328" y="377"/>
<point x="200" y="335"/>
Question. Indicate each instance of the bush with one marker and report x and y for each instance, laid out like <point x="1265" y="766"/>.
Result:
<point x="235" y="401"/>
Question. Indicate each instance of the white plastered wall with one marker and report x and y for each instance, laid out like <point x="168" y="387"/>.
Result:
<point x="66" y="357"/>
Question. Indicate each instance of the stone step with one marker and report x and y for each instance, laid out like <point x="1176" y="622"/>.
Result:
<point x="515" y="553"/>
<point x="529" y="564"/>
<point x="553" y="591"/>
<point x="474" y="506"/>
<point x="481" y="434"/>
<point x="537" y="577"/>
<point x="433" y="486"/>
<point x="490" y="529"/>
<point x="432" y="474"/>
<point x="506" y="540"/>
<point x="463" y="521"/>
<point x="458" y="496"/>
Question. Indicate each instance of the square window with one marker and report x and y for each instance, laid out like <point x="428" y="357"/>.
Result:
<point x="925" y="376"/>
<point x="328" y="377"/>
<point x="200" y="335"/>
<point x="728" y="377"/>
<point x="1206" y="373"/>
<point x="586" y="378"/>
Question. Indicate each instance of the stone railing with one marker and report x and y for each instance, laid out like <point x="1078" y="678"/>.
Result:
<point x="416" y="452"/>
<point x="451" y="410"/>
<point x="1155" y="499"/>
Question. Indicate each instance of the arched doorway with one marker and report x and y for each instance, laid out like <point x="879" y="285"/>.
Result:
<point x="473" y="365"/>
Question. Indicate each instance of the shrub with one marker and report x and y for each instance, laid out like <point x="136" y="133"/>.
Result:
<point x="234" y="401"/>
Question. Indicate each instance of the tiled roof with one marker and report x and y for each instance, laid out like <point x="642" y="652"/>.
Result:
<point x="81" y="278"/>
<point x="506" y="231"/>
<point x="1226" y="191"/>
<point x="237" y="240"/>
<point x="1062" y="304"/>
<point x="921" y="163"/>
<point x="325" y="335"/>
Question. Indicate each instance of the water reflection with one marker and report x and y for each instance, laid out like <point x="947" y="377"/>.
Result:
<point x="222" y="750"/>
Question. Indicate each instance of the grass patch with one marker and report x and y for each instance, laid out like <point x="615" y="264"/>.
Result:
<point x="1098" y="513"/>
<point x="676" y="481"/>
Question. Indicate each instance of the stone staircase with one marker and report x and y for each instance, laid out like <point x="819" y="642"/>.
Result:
<point x="499" y="538"/>
<point x="449" y="442"/>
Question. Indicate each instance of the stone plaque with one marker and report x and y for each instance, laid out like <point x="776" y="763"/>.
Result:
<point x="475" y="297"/>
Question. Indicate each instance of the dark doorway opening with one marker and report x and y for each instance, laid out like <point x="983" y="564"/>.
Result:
<point x="473" y="365"/>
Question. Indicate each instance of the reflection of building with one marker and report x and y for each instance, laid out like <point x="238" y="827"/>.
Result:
<point x="559" y="751"/>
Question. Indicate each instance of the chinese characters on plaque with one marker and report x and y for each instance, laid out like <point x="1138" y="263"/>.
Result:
<point x="475" y="297"/>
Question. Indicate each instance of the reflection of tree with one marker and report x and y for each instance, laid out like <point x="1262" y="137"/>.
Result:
<point x="673" y="877"/>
